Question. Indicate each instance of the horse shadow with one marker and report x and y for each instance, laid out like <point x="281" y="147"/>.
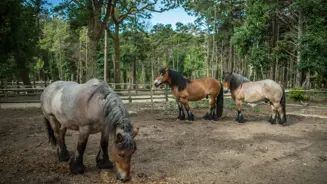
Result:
<point x="291" y="119"/>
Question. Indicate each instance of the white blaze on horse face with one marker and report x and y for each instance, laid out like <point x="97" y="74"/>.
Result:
<point x="157" y="82"/>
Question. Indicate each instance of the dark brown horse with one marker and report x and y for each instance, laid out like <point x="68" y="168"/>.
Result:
<point x="89" y="108"/>
<point x="264" y="90"/>
<point x="186" y="90"/>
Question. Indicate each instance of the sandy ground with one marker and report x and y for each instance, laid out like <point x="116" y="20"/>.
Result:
<point x="171" y="151"/>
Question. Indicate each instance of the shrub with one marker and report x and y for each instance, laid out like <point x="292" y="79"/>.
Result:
<point x="298" y="94"/>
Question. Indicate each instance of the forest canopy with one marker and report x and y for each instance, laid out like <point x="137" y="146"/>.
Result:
<point x="282" y="40"/>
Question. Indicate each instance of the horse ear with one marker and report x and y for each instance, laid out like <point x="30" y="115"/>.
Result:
<point x="119" y="138"/>
<point x="135" y="132"/>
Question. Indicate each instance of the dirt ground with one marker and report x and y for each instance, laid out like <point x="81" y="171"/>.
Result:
<point x="171" y="151"/>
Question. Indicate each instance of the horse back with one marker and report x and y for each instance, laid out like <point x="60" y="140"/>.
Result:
<point x="70" y="102"/>
<point x="259" y="90"/>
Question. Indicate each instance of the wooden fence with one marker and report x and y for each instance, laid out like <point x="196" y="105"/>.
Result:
<point x="133" y="92"/>
<point x="18" y="93"/>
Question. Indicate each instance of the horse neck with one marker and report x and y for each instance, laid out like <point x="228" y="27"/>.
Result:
<point x="237" y="81"/>
<point x="177" y="80"/>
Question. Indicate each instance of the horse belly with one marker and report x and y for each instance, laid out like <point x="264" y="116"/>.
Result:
<point x="69" y="124"/>
<point x="253" y="96"/>
<point x="196" y="93"/>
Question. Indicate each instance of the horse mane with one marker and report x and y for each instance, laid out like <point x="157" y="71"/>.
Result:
<point x="237" y="80"/>
<point x="177" y="79"/>
<point x="115" y="113"/>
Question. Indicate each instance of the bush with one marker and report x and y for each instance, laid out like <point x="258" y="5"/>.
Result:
<point x="298" y="94"/>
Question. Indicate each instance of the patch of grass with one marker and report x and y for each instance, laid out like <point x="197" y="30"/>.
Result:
<point x="256" y="109"/>
<point x="230" y="104"/>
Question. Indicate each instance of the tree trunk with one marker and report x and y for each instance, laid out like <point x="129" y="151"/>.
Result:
<point x="285" y="76"/>
<point x="80" y="67"/>
<point x="134" y="72"/>
<point x="231" y="56"/>
<point x="221" y="58"/>
<point x="117" y="56"/>
<point x="306" y="83"/>
<point x="105" y="69"/>
<point x="152" y="72"/>
<point x="23" y="71"/>
<point x="299" y="58"/>
<point x="208" y="54"/>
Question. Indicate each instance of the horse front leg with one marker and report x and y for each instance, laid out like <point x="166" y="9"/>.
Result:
<point x="240" y="117"/>
<point x="279" y="111"/>
<point x="59" y="133"/>
<point x="102" y="159"/>
<point x="181" y="115"/>
<point x="272" y="118"/>
<point x="190" y="115"/>
<point x="76" y="165"/>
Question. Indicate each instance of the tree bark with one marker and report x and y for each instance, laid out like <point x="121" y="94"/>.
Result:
<point x="95" y="27"/>
<point x="299" y="58"/>
<point x="105" y="69"/>
<point x="23" y="71"/>
<point x="231" y="56"/>
<point x="117" y="56"/>
<point x="134" y="72"/>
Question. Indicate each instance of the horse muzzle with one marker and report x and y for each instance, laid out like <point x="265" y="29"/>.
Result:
<point x="226" y="90"/>
<point x="156" y="84"/>
<point x="123" y="179"/>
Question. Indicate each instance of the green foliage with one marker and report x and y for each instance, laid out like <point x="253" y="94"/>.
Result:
<point x="194" y="60"/>
<point x="298" y="94"/>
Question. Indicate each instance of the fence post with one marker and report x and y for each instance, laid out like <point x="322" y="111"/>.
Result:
<point x="129" y="94"/>
<point x="166" y="93"/>
<point x="151" y="96"/>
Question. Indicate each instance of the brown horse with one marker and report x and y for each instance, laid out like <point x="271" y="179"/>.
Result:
<point x="89" y="108"/>
<point x="264" y="90"/>
<point x="186" y="90"/>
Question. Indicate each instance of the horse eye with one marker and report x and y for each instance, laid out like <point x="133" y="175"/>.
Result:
<point x="121" y="155"/>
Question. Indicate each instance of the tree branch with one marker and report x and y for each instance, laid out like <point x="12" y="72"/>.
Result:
<point x="110" y="33"/>
<point x="123" y="17"/>
<point x="108" y="12"/>
<point x="78" y="3"/>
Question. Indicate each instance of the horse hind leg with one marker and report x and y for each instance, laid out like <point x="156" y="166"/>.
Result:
<point x="211" y="114"/>
<point x="102" y="159"/>
<point x="239" y="117"/>
<point x="59" y="133"/>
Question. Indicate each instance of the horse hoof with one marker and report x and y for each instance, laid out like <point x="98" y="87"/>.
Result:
<point x="64" y="158"/>
<point x="182" y="118"/>
<point x="77" y="169"/>
<point x="104" y="164"/>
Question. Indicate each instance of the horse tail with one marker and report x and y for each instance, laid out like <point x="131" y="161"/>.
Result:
<point x="283" y="103"/>
<point x="220" y="102"/>
<point x="51" y="136"/>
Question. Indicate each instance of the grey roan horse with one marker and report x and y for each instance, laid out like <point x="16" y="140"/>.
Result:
<point x="268" y="90"/>
<point x="89" y="108"/>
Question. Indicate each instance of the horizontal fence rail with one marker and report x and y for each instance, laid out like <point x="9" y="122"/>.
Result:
<point x="128" y="92"/>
